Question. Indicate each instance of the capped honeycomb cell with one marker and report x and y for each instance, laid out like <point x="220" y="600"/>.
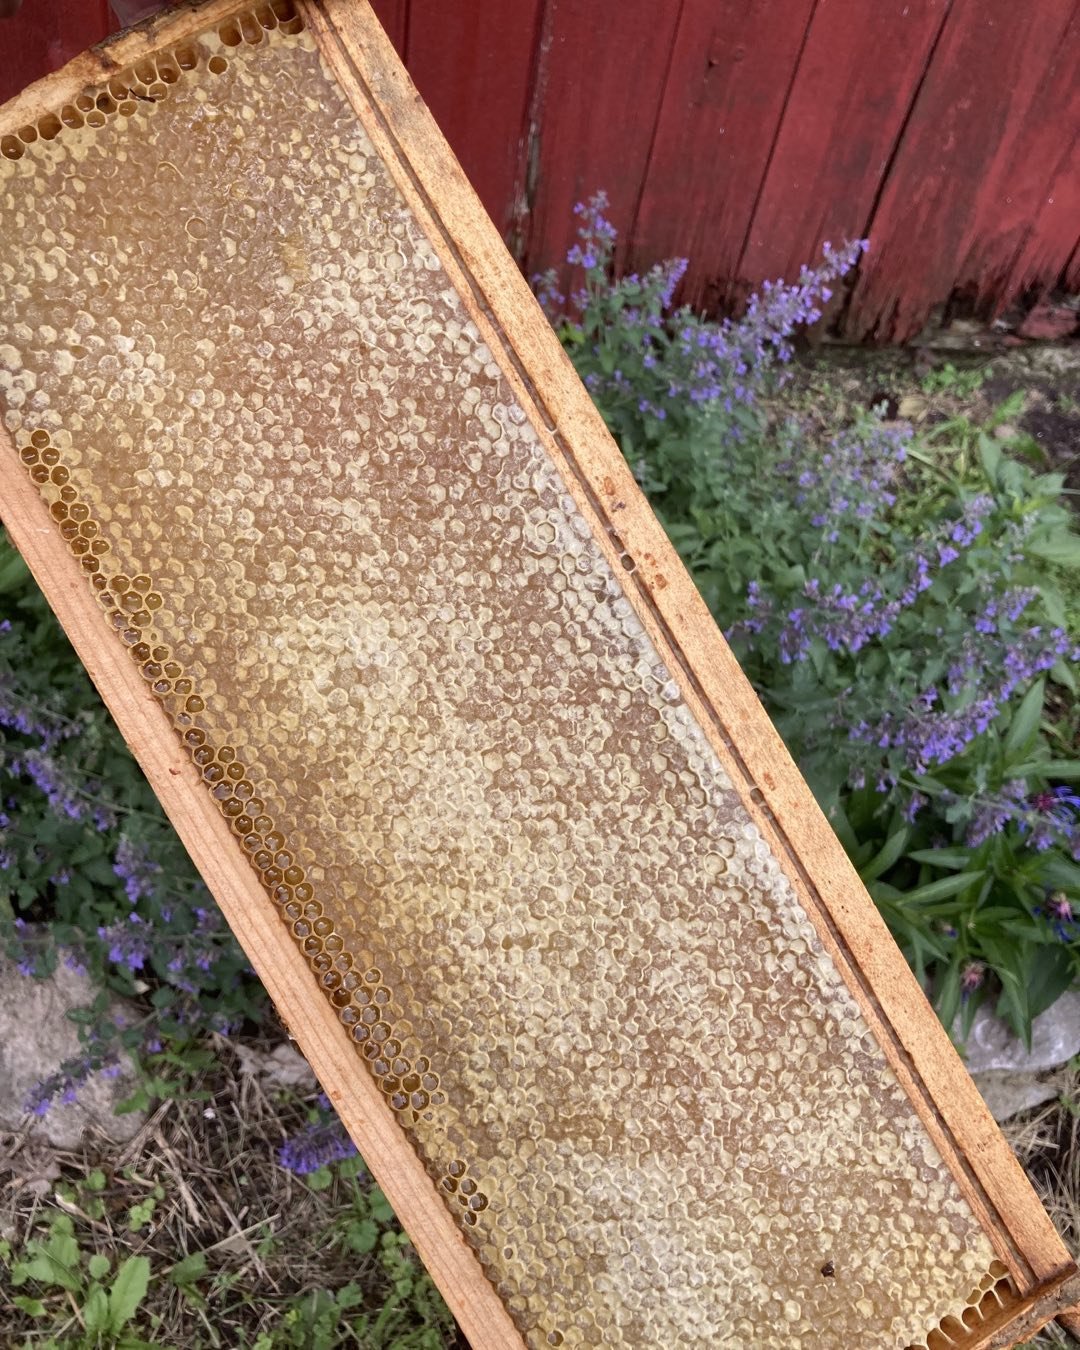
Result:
<point x="315" y="513"/>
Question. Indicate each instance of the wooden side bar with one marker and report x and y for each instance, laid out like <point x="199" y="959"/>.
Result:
<point x="264" y="938"/>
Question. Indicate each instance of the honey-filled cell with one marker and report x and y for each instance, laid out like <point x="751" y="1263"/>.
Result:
<point x="324" y="525"/>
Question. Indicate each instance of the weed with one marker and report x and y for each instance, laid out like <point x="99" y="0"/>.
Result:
<point x="950" y="379"/>
<point x="77" y="1292"/>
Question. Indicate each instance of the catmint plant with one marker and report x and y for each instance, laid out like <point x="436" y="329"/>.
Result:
<point x="654" y="371"/>
<point x="321" y="1142"/>
<point x="901" y="624"/>
<point x="92" y="874"/>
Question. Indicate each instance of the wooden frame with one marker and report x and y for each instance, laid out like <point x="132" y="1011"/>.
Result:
<point x="668" y="606"/>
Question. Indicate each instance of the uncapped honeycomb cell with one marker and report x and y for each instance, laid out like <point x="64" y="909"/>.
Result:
<point x="315" y="514"/>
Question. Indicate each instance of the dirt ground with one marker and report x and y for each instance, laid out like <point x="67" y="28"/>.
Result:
<point x="929" y="386"/>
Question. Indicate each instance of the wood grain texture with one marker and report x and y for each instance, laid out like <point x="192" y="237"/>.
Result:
<point x="265" y="939"/>
<point x="721" y="149"/>
<point x="600" y="78"/>
<point x="473" y="66"/>
<point x="838" y="131"/>
<point x="673" y="613"/>
<point x="1047" y="252"/>
<point x="946" y="174"/>
<point x="730" y="75"/>
<point x="1016" y="234"/>
<point x="394" y="17"/>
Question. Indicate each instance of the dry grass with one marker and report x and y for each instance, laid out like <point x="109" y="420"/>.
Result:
<point x="207" y="1170"/>
<point x="1047" y="1143"/>
<point x="270" y="1240"/>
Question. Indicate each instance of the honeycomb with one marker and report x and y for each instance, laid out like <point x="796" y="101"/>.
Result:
<point x="313" y="511"/>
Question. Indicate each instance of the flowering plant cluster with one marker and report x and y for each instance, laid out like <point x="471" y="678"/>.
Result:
<point x="899" y="617"/>
<point x="322" y="1141"/>
<point x="652" y="370"/>
<point x="91" y="872"/>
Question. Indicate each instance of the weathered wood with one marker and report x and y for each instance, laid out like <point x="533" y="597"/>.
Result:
<point x="841" y="122"/>
<point x="473" y="66"/>
<point x="1019" y="231"/>
<point x="596" y="98"/>
<point x="944" y="180"/>
<point x="394" y="17"/>
<point x="729" y="147"/>
<point x="1047" y="251"/>
<point x="724" y="98"/>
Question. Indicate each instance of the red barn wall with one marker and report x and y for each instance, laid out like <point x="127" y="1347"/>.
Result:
<point x="744" y="133"/>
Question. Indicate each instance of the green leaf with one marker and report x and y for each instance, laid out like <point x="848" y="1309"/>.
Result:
<point x="948" y="998"/>
<point x="1050" y="975"/>
<point x="951" y="859"/>
<point x="138" y="1101"/>
<point x="380" y="1207"/>
<point x="1060" y="873"/>
<point x="891" y="851"/>
<point x="1024" y="726"/>
<point x="351" y="1296"/>
<point x="1008" y="408"/>
<point x="98" y="1265"/>
<point x="943" y="888"/>
<point x="56" y="1262"/>
<point x="1061" y="547"/>
<point x="128" y="1291"/>
<point x="96" y="1311"/>
<point x="363" y="1236"/>
<point x="14" y="573"/>
<point x="990" y="458"/>
<point x="190" y="1269"/>
<point x="1064" y="770"/>
<point x="1061" y="673"/>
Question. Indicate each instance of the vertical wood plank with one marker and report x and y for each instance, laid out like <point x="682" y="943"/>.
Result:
<point x="473" y="66"/>
<point x="1028" y="210"/>
<point x="984" y="77"/>
<point x="43" y="35"/>
<point x="852" y="93"/>
<point x="600" y="76"/>
<point x="731" y="70"/>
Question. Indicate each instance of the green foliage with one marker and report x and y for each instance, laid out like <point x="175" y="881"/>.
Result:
<point x="896" y="603"/>
<point x="951" y="379"/>
<point x="60" y="1277"/>
<point x="81" y="1279"/>
<point x="92" y="873"/>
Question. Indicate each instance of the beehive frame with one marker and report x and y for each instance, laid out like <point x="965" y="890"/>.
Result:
<point x="1036" y="1278"/>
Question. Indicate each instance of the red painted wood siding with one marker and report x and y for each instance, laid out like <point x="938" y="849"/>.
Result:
<point x="44" y="34"/>
<point x="745" y="133"/>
